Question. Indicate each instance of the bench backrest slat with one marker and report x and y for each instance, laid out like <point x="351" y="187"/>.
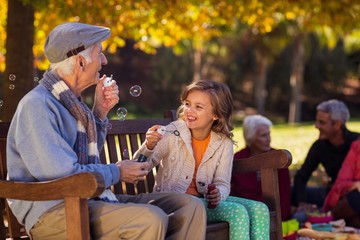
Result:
<point x="123" y="139"/>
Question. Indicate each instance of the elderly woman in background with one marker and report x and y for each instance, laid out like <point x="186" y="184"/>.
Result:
<point x="256" y="130"/>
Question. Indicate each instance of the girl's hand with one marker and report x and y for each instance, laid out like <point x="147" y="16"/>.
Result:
<point x="152" y="137"/>
<point x="214" y="197"/>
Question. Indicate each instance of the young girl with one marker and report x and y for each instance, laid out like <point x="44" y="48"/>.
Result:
<point x="197" y="150"/>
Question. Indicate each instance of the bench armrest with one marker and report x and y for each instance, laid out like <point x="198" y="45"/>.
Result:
<point x="268" y="164"/>
<point x="274" y="159"/>
<point x="92" y="185"/>
<point x="76" y="205"/>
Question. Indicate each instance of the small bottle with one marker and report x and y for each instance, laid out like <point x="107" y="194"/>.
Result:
<point x="142" y="158"/>
<point x="211" y="187"/>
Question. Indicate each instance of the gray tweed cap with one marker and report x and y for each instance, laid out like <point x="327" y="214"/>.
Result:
<point x="68" y="39"/>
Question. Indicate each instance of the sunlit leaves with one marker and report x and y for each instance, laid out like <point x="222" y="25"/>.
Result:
<point x="352" y="41"/>
<point x="3" y="13"/>
<point x="326" y="36"/>
<point x="153" y="23"/>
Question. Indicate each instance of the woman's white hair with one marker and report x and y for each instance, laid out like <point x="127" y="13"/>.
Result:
<point x="66" y="67"/>
<point x="250" y="126"/>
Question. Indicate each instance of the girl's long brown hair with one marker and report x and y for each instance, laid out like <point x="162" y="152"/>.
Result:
<point x="221" y="101"/>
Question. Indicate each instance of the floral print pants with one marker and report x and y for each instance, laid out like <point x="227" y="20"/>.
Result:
<point x="248" y="219"/>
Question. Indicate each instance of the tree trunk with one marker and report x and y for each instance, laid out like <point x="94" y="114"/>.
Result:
<point x="19" y="56"/>
<point x="197" y="64"/>
<point x="296" y="79"/>
<point x="260" y="82"/>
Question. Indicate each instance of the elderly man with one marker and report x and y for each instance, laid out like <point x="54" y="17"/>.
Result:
<point x="329" y="150"/>
<point x="54" y="134"/>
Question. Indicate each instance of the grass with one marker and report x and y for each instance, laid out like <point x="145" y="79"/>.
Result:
<point x="297" y="139"/>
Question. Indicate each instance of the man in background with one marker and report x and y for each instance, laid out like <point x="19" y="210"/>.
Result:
<point x="329" y="150"/>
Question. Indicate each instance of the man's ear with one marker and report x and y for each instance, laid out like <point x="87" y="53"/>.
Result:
<point x="338" y="124"/>
<point x="80" y="62"/>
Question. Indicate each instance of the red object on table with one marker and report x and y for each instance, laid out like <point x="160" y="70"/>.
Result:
<point x="320" y="219"/>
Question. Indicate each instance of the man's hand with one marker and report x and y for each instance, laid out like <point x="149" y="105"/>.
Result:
<point x="132" y="171"/>
<point x="105" y="98"/>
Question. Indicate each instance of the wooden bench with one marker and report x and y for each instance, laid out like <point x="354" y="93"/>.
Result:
<point x="123" y="139"/>
<point x="76" y="205"/>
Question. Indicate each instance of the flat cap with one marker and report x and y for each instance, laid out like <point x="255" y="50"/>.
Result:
<point x="68" y="39"/>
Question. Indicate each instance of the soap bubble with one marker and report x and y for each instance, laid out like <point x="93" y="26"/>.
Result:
<point x="11" y="86"/>
<point x="12" y="77"/>
<point x="121" y="113"/>
<point x="36" y="79"/>
<point x="109" y="126"/>
<point x="1" y="102"/>
<point x="135" y="91"/>
<point x="126" y="154"/>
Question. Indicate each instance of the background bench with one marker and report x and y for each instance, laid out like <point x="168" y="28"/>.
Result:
<point x="123" y="139"/>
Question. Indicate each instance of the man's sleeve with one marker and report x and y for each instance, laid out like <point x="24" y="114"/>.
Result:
<point x="303" y="174"/>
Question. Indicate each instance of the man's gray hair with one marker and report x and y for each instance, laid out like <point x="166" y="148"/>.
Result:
<point x="337" y="109"/>
<point x="250" y="126"/>
<point x="66" y="67"/>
